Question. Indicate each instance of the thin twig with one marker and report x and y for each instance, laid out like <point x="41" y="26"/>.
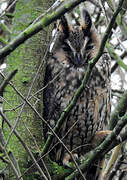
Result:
<point x="119" y="110"/>
<point x="38" y="149"/>
<point x="33" y="95"/>
<point x="4" y="100"/>
<point x="116" y="57"/>
<point x="104" y="11"/>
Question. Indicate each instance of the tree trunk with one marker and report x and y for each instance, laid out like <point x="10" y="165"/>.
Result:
<point x="27" y="59"/>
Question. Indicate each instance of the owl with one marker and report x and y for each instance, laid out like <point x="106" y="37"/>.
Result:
<point x="74" y="47"/>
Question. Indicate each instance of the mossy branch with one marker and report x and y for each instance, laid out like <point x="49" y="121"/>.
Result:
<point x="4" y="27"/>
<point x="40" y="25"/>
<point x="3" y="40"/>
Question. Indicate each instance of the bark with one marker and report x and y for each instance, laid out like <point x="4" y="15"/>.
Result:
<point x="26" y="59"/>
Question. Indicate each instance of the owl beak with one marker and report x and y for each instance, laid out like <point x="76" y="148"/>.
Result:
<point x="78" y="59"/>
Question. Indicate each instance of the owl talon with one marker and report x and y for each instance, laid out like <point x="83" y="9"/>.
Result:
<point x="76" y="156"/>
<point x="67" y="159"/>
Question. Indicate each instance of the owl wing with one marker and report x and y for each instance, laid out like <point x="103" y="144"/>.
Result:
<point x="52" y="95"/>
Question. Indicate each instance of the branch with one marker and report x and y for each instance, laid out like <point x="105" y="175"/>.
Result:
<point x="10" y="156"/>
<point x="6" y="81"/>
<point x="111" y="162"/>
<point x="40" y="25"/>
<point x="117" y="166"/>
<point x="114" y="67"/>
<point x="116" y="57"/>
<point x="119" y="110"/>
<point x="12" y="163"/>
<point x="119" y="19"/>
<point x="4" y="27"/>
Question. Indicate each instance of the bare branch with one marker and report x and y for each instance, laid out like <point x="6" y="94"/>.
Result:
<point x="6" y="81"/>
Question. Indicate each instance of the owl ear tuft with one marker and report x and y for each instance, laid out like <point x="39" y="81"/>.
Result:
<point x="86" y="21"/>
<point x="63" y="26"/>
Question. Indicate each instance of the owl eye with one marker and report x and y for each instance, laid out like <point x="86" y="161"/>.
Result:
<point x="89" y="47"/>
<point x="66" y="47"/>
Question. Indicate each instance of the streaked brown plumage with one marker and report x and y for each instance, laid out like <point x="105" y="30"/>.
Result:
<point x="74" y="47"/>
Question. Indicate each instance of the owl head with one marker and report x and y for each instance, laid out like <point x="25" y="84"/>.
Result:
<point x="74" y="45"/>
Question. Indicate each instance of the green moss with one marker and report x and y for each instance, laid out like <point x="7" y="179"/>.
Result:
<point x="26" y="58"/>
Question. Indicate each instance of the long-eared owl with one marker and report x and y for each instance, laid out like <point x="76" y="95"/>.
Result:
<point x="73" y="48"/>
